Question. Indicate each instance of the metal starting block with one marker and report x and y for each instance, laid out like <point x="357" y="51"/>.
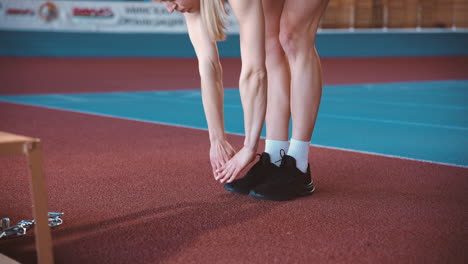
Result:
<point x="7" y="231"/>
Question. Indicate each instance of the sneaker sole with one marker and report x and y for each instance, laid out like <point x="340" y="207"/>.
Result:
<point x="308" y="190"/>
<point x="228" y="188"/>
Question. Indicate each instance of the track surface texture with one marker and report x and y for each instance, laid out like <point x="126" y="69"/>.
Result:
<point x="143" y="193"/>
<point x="135" y="192"/>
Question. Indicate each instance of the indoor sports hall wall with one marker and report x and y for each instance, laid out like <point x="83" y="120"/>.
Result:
<point x="141" y="28"/>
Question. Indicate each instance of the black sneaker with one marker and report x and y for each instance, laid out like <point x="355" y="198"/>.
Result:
<point x="287" y="183"/>
<point x="256" y="175"/>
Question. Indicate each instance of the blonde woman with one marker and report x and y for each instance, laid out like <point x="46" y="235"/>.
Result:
<point x="295" y="89"/>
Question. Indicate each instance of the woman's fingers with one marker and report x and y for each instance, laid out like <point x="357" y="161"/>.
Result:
<point x="219" y="166"/>
<point x="229" y="170"/>
<point x="221" y="171"/>
<point x="226" y="167"/>
<point x="221" y="174"/>
<point x="215" y="165"/>
<point x="227" y="175"/>
<point x="234" y="175"/>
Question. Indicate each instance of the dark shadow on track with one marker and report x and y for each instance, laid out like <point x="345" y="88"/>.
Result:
<point x="151" y="236"/>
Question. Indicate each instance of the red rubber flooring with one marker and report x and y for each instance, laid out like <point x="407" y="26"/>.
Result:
<point x="136" y="192"/>
<point x="144" y="194"/>
<point x="65" y="75"/>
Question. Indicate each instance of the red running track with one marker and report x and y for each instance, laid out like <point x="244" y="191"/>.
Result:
<point x="66" y="75"/>
<point x="135" y="192"/>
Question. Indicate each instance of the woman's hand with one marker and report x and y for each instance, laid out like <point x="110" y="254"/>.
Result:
<point x="229" y="171"/>
<point x="220" y="153"/>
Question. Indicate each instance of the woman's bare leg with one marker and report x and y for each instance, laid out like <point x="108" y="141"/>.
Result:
<point x="278" y="109"/>
<point x="279" y="80"/>
<point x="298" y="27"/>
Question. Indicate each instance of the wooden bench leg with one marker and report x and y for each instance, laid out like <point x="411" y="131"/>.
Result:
<point x="6" y="260"/>
<point x="39" y="197"/>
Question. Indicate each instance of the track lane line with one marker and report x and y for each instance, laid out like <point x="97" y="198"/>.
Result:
<point x="240" y="134"/>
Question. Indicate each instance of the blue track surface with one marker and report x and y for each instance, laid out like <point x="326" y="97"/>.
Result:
<point x="417" y="120"/>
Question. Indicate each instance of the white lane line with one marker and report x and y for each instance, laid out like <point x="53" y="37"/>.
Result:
<point x="380" y="102"/>
<point x="321" y="114"/>
<point x="71" y="98"/>
<point x="240" y="134"/>
<point x="390" y="156"/>
<point x="355" y="118"/>
<point x="397" y="122"/>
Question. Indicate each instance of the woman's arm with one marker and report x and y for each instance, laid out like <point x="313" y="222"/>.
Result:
<point x="252" y="83"/>
<point x="212" y="89"/>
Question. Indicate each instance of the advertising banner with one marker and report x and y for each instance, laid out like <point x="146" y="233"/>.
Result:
<point x="80" y="16"/>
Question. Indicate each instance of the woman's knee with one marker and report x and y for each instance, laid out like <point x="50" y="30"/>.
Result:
<point x="299" y="24"/>
<point x="287" y="38"/>
<point x="296" y="39"/>
<point x="274" y="51"/>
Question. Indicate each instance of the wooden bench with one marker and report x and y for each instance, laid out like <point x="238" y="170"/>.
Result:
<point x="11" y="144"/>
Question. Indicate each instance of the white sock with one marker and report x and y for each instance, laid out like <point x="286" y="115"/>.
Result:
<point x="300" y="151"/>
<point x="274" y="147"/>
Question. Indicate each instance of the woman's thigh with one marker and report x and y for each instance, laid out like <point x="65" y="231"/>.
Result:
<point x="272" y="10"/>
<point x="301" y="17"/>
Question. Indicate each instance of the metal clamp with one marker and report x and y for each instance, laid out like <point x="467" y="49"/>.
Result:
<point x="7" y="231"/>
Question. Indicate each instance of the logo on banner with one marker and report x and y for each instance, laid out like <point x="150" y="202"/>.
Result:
<point x="145" y="10"/>
<point x="137" y="10"/>
<point x="48" y="11"/>
<point x="152" y="22"/>
<point x="19" y="12"/>
<point x="93" y="12"/>
<point x="151" y="17"/>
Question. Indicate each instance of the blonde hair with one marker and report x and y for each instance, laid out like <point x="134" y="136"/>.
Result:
<point x="213" y="14"/>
